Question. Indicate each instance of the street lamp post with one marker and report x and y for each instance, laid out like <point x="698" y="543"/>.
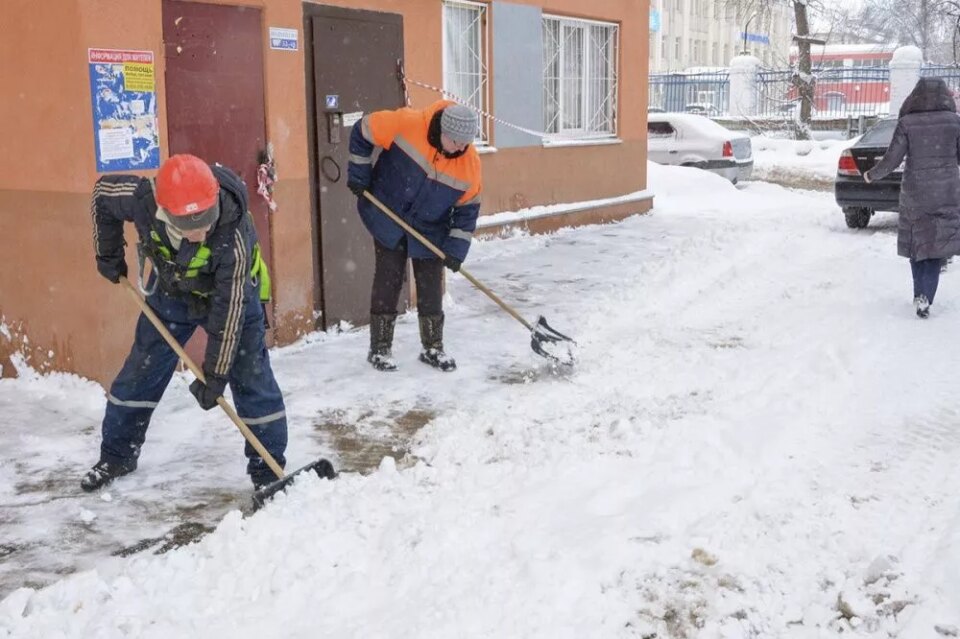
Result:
<point x="746" y="28"/>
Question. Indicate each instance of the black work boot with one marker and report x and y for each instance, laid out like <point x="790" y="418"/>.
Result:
<point x="431" y="336"/>
<point x="105" y="472"/>
<point x="381" y="340"/>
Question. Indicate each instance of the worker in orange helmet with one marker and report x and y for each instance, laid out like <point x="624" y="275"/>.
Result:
<point x="195" y="229"/>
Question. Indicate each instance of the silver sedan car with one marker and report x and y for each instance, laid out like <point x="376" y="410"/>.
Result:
<point x="685" y="139"/>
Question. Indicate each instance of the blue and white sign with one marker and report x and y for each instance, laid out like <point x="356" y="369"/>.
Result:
<point x="333" y="101"/>
<point x="756" y="37"/>
<point x="124" y="98"/>
<point x="654" y="20"/>
<point x="284" y="39"/>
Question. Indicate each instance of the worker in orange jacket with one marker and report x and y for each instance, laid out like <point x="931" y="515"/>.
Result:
<point x="429" y="174"/>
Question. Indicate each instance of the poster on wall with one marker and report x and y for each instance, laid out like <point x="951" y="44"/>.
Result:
<point x="124" y="93"/>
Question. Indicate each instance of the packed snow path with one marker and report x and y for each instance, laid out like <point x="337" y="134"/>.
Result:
<point x="760" y="440"/>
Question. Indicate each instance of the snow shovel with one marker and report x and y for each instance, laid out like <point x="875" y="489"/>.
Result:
<point x="321" y="466"/>
<point x="544" y="339"/>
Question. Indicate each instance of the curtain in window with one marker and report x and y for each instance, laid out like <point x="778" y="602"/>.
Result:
<point x="551" y="76"/>
<point x="579" y="77"/>
<point x="464" y="70"/>
<point x="572" y="84"/>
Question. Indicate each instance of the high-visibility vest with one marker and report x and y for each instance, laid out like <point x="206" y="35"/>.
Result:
<point x="258" y="271"/>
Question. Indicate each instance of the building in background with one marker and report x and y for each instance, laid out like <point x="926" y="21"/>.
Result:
<point x="709" y="33"/>
<point x="848" y="56"/>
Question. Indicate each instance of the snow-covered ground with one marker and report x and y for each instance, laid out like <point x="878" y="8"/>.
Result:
<point x="797" y="163"/>
<point x="760" y="439"/>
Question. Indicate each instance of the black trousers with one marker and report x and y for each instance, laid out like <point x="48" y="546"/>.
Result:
<point x="391" y="268"/>
<point x="926" y="277"/>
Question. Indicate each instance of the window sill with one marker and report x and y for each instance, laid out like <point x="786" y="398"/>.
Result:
<point x="483" y="149"/>
<point x="560" y="142"/>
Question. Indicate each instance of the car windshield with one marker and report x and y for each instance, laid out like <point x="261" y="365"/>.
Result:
<point x="881" y="134"/>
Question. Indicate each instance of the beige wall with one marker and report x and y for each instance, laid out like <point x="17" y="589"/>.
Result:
<point x="57" y="309"/>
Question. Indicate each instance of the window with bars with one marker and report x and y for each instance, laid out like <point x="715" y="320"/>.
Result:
<point x="579" y="78"/>
<point x="465" y="56"/>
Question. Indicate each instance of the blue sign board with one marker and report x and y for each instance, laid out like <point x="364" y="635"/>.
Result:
<point x="654" y="20"/>
<point x="756" y="37"/>
<point x="285" y="39"/>
<point x="124" y="99"/>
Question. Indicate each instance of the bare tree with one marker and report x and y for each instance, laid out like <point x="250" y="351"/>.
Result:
<point x="930" y="25"/>
<point x="803" y="78"/>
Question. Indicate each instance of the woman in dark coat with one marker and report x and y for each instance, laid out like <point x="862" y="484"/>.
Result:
<point x="928" y="135"/>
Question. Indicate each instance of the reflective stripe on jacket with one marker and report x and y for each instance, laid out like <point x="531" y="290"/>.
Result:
<point x="437" y="195"/>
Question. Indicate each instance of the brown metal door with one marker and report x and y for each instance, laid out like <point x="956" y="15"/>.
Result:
<point x="352" y="61"/>
<point x="215" y="95"/>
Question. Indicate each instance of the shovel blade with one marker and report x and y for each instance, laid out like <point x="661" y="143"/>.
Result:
<point x="548" y="342"/>
<point x="323" y="468"/>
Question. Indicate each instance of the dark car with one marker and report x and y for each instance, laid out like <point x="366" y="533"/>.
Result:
<point x="858" y="199"/>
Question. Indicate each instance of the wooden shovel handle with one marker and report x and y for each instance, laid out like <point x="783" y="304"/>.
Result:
<point x="221" y="401"/>
<point x="420" y="238"/>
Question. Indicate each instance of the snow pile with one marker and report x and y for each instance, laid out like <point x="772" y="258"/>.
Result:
<point x="797" y="163"/>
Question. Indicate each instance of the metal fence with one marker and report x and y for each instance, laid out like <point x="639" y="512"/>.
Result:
<point x="704" y="93"/>
<point x="838" y="93"/>
<point x="950" y="75"/>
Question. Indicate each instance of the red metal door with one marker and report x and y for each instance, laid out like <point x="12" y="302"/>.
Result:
<point x="352" y="59"/>
<point x="215" y="96"/>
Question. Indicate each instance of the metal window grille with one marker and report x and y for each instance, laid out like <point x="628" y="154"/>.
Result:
<point x="579" y="77"/>
<point x="465" y="56"/>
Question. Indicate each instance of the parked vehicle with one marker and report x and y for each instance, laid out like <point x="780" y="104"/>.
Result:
<point x="859" y="200"/>
<point x="685" y="139"/>
<point x="702" y="108"/>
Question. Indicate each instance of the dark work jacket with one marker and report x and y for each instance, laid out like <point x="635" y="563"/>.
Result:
<point x="928" y="136"/>
<point x="439" y="196"/>
<point x="224" y="282"/>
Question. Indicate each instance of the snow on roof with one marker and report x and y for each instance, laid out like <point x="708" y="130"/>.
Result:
<point x="834" y="49"/>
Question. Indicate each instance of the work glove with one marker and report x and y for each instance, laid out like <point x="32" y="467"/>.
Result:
<point x="452" y="263"/>
<point x="112" y="267"/>
<point x="208" y="393"/>
<point x="357" y="187"/>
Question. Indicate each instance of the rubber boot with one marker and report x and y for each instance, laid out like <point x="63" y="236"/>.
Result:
<point x="381" y="341"/>
<point x="431" y="337"/>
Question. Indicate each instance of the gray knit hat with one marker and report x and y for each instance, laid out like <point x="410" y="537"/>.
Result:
<point x="460" y="123"/>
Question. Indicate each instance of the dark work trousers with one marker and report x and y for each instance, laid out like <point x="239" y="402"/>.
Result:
<point x="150" y="366"/>
<point x="926" y="277"/>
<point x="391" y="267"/>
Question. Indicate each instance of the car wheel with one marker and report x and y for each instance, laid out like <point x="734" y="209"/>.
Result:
<point x="857" y="218"/>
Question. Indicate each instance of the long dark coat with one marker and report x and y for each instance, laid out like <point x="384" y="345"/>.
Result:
<point x="928" y="135"/>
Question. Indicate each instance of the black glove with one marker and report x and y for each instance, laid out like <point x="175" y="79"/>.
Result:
<point x="208" y="393"/>
<point x="452" y="263"/>
<point x="112" y="267"/>
<point x="357" y="187"/>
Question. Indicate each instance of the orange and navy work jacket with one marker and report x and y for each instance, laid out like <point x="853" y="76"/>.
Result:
<point x="436" y="195"/>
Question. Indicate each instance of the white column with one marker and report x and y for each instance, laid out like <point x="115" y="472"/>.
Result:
<point x="743" y="85"/>
<point x="904" y="74"/>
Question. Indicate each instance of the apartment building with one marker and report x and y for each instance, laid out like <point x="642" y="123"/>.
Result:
<point x="688" y="34"/>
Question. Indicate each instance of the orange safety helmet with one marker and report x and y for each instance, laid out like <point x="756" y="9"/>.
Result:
<point x="187" y="189"/>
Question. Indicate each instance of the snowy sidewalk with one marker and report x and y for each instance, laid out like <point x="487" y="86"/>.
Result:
<point x="759" y="440"/>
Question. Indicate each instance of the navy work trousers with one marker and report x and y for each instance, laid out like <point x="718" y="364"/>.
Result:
<point x="926" y="277"/>
<point x="150" y="365"/>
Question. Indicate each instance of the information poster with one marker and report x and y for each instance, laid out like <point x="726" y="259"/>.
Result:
<point x="124" y="92"/>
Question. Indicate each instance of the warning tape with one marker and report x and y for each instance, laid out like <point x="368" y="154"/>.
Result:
<point x="452" y="96"/>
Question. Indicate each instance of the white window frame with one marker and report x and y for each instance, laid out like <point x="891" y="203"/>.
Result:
<point x="555" y="129"/>
<point x="481" y="98"/>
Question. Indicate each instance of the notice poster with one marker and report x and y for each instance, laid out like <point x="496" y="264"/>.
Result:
<point x="124" y="92"/>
